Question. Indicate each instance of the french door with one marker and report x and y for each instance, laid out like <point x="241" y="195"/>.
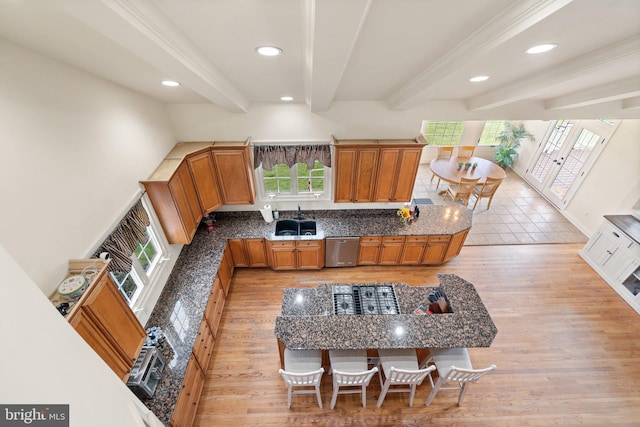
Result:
<point x="565" y="156"/>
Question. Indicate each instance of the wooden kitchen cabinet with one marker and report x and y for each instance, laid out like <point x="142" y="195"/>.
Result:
<point x="248" y="252"/>
<point x="390" y="250"/>
<point x="282" y="254"/>
<point x="455" y="245"/>
<point x="107" y="324"/>
<point x="397" y="168"/>
<point x="369" y="250"/>
<point x="203" y="347"/>
<point x="184" y="412"/>
<point x="234" y="171"/>
<point x="205" y="180"/>
<point x="376" y="170"/>
<point x="296" y="255"/>
<point x="225" y="270"/>
<point x="310" y="254"/>
<point x="215" y="307"/>
<point x="413" y="250"/>
<point x="175" y="201"/>
<point x="238" y="252"/>
<point x="436" y="248"/>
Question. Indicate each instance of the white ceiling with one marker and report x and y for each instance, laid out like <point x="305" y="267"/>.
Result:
<point x="404" y="53"/>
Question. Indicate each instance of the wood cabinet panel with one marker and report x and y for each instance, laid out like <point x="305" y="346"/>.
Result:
<point x="436" y="249"/>
<point x="409" y="161"/>
<point x="366" y="169"/>
<point x="387" y="175"/>
<point x="310" y="254"/>
<point x="225" y="271"/>
<point x="184" y="412"/>
<point x="109" y="326"/>
<point x="390" y="250"/>
<point x="203" y="347"/>
<point x="455" y="245"/>
<point x="256" y="252"/>
<point x="238" y="252"/>
<point x="215" y="307"/>
<point x="345" y="174"/>
<point x="412" y="251"/>
<point x="282" y="255"/>
<point x="369" y="250"/>
<point x="177" y="205"/>
<point x="235" y="176"/>
<point x="205" y="181"/>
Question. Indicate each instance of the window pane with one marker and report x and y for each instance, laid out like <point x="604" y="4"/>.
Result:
<point x="146" y="253"/>
<point x="125" y="283"/>
<point x="297" y="180"/>
<point x="444" y="133"/>
<point x="491" y="131"/>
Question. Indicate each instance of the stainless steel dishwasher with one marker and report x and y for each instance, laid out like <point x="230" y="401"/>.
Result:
<point x="341" y="251"/>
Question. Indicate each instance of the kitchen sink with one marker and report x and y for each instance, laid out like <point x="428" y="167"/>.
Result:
<point x="289" y="227"/>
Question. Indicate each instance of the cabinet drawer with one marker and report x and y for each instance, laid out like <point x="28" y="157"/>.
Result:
<point x="371" y="239"/>
<point x="393" y="239"/>
<point x="439" y="239"/>
<point x="308" y="243"/>
<point x="283" y="244"/>
<point x="612" y="231"/>
<point x="417" y="239"/>
<point x="204" y="345"/>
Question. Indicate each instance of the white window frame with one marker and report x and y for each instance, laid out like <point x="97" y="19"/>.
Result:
<point x="145" y="280"/>
<point x="263" y="196"/>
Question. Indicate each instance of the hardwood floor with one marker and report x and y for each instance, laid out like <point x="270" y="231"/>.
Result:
<point x="567" y="349"/>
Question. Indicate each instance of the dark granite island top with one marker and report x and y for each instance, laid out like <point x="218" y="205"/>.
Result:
<point x="307" y="321"/>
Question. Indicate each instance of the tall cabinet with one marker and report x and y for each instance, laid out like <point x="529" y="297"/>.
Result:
<point x="376" y="170"/>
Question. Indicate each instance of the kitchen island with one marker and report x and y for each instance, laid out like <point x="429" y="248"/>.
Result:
<point x="308" y="320"/>
<point x="183" y="301"/>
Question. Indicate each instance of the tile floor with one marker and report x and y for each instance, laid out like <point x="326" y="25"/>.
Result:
<point x="518" y="214"/>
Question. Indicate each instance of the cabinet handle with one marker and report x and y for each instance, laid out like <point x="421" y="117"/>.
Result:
<point x="609" y="252"/>
<point x="615" y="234"/>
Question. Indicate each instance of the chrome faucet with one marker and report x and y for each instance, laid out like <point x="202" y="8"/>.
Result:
<point x="300" y="214"/>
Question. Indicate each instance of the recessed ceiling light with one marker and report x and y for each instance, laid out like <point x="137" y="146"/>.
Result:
<point x="170" y="83"/>
<point x="479" y="78"/>
<point x="269" y="50"/>
<point x="541" y="48"/>
<point x="286" y="98"/>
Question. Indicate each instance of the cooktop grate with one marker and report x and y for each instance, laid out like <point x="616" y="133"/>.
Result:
<point x="366" y="299"/>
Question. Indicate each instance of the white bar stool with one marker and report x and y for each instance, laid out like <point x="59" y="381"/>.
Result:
<point x="302" y="368"/>
<point x="350" y="369"/>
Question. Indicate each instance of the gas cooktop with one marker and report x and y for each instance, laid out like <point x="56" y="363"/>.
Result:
<point x="364" y="299"/>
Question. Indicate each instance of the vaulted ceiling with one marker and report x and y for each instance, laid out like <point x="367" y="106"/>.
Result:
<point x="402" y="53"/>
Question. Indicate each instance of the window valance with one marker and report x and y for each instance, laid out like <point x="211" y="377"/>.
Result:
<point x="123" y="240"/>
<point x="270" y="155"/>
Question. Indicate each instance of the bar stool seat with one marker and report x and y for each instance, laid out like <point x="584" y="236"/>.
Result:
<point x="302" y="368"/>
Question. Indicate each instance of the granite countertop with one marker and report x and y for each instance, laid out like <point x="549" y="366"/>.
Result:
<point x="307" y="323"/>
<point x="183" y="300"/>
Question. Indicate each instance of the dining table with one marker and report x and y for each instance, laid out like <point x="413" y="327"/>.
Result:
<point x="447" y="169"/>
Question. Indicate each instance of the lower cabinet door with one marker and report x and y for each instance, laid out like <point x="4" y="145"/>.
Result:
<point x="184" y="412"/>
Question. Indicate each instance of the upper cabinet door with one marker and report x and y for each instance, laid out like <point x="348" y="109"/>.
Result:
<point x="345" y="164"/>
<point x="406" y="174"/>
<point x="205" y="181"/>
<point x="235" y="176"/>
<point x="387" y="174"/>
<point x="366" y="169"/>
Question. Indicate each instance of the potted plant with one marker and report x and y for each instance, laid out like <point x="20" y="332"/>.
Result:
<point x="509" y="140"/>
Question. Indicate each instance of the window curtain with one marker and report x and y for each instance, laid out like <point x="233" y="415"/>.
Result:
<point x="270" y="155"/>
<point x="121" y="243"/>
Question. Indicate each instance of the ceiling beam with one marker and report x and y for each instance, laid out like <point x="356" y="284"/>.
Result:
<point x="140" y="28"/>
<point x="620" y="54"/>
<point x="329" y="40"/>
<point x="513" y="21"/>
<point x="631" y="103"/>
<point x="613" y="91"/>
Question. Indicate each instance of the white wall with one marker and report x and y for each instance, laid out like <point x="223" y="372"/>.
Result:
<point x="73" y="149"/>
<point x="44" y="361"/>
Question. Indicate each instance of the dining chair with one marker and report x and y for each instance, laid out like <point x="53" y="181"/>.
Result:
<point x="465" y="151"/>
<point x="461" y="190"/>
<point x="302" y="368"/>
<point x="349" y="369"/>
<point x="400" y="368"/>
<point x="453" y="365"/>
<point x="443" y="153"/>
<point x="486" y="191"/>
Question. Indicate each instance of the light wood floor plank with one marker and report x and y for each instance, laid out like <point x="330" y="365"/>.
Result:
<point x="567" y="349"/>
